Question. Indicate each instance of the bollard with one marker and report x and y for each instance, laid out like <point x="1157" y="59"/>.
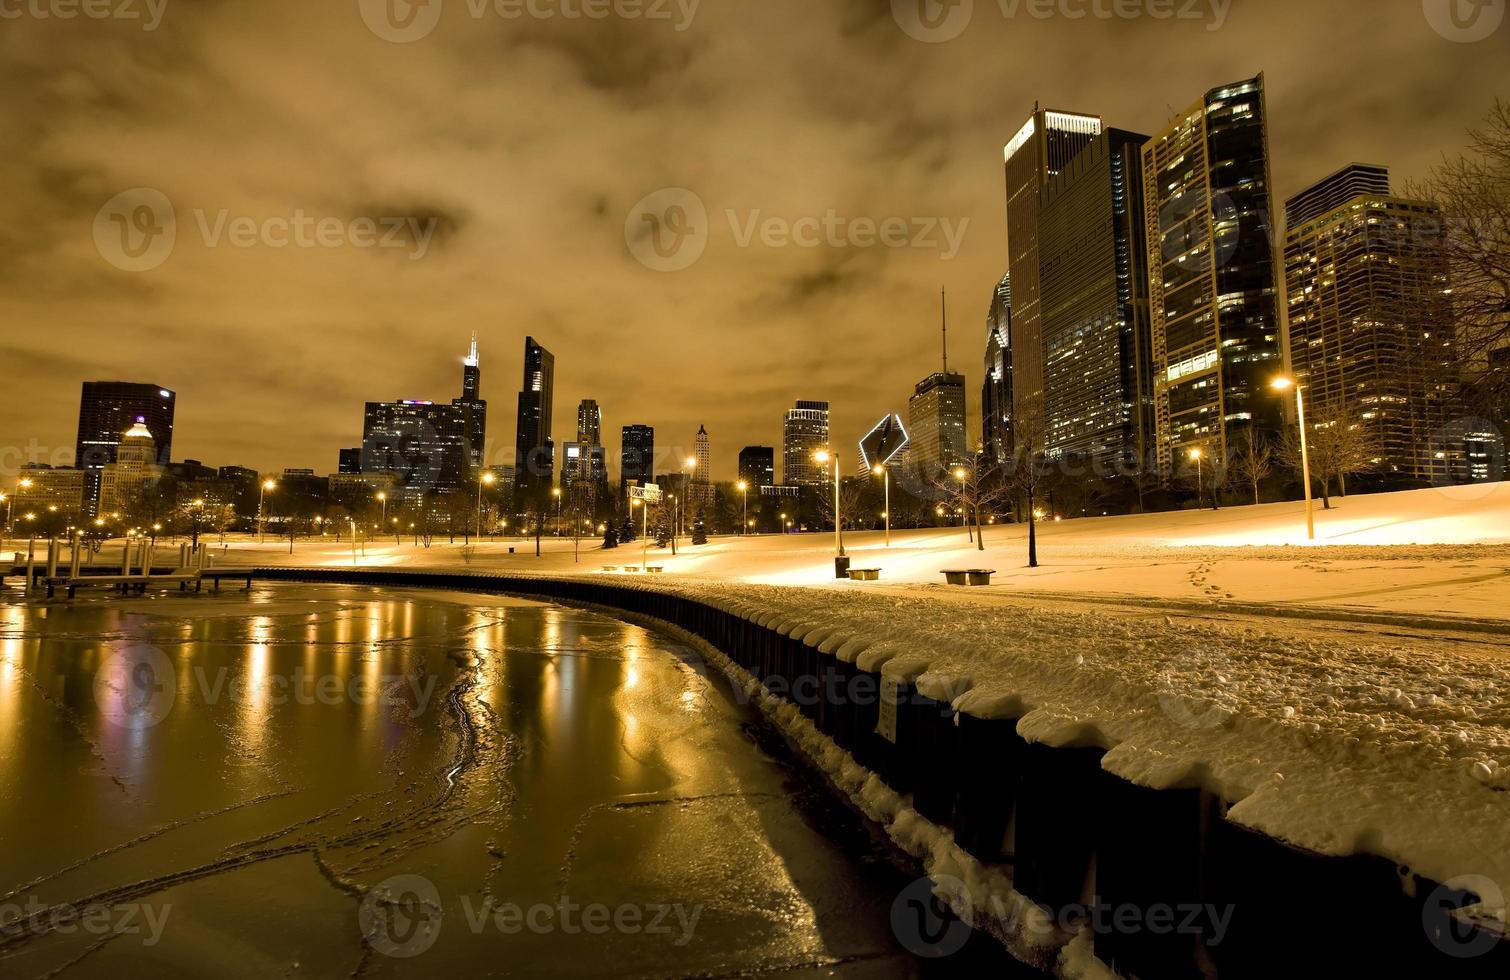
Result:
<point x="183" y="557"/>
<point x="73" y="563"/>
<point x="126" y="558"/>
<point x="52" y="558"/>
<point x="31" y="564"/>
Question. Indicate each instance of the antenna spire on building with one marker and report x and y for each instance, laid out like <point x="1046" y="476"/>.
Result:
<point x="472" y="359"/>
<point x="944" y="313"/>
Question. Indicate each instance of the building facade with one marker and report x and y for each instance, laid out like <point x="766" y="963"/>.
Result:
<point x="428" y="447"/>
<point x="803" y="434"/>
<point x="636" y="457"/>
<point x="757" y="466"/>
<point x="1098" y="374"/>
<point x="1045" y="145"/>
<point x="534" y="449"/>
<point x="996" y="391"/>
<point x="702" y="477"/>
<point x="1370" y="321"/>
<point x="134" y="471"/>
<point x="49" y="490"/>
<point x="936" y="417"/>
<point x="472" y="403"/>
<point x="1214" y="307"/>
<point x="109" y="408"/>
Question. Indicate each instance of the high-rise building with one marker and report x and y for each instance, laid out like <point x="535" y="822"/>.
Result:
<point x="534" y="450"/>
<point x="45" y="490"/>
<point x="429" y="448"/>
<point x="1370" y="321"/>
<point x="1045" y="145"/>
<point x="884" y="445"/>
<point x="996" y="392"/>
<point x="135" y="468"/>
<point x="1098" y="375"/>
<point x="1213" y="300"/>
<point x="350" y="460"/>
<point x="936" y="417"/>
<point x="637" y="457"/>
<point x="109" y="408"/>
<point x="702" y="477"/>
<point x="583" y="465"/>
<point x="589" y="423"/>
<point x="805" y="432"/>
<point x="471" y="400"/>
<point x="757" y="466"/>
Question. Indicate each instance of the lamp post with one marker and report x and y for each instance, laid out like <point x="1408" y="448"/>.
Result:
<point x="687" y="471"/>
<point x="486" y="480"/>
<point x="744" y="499"/>
<point x="383" y="499"/>
<point x="784" y="523"/>
<point x="1200" y="482"/>
<point x="556" y="492"/>
<point x="267" y="487"/>
<point x="10" y="507"/>
<point x="960" y="474"/>
<point x="841" y="563"/>
<point x="885" y="475"/>
<point x="1284" y="384"/>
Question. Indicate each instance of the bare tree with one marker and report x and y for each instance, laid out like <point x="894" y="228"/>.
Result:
<point x="1339" y="445"/>
<point x="1252" y="460"/>
<point x="976" y="485"/>
<point x="1029" y="430"/>
<point x="851" y="502"/>
<point x="1473" y="191"/>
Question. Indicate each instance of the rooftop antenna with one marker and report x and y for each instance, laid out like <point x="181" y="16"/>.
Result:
<point x="472" y="360"/>
<point x="944" y="312"/>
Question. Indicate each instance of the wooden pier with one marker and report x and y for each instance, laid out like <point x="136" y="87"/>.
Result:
<point x="66" y="564"/>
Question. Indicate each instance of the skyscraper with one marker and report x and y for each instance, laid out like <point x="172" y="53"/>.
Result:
<point x="1370" y="322"/>
<point x="936" y="420"/>
<point x="1212" y="277"/>
<point x="534" y="450"/>
<point x="135" y="467"/>
<point x="427" y="447"/>
<point x="637" y="461"/>
<point x="477" y="409"/>
<point x="757" y="466"/>
<point x="106" y="410"/>
<point x="702" y="477"/>
<point x="804" y="433"/>
<point x="1045" y="145"/>
<point x="996" y="391"/>
<point x="1097" y="390"/>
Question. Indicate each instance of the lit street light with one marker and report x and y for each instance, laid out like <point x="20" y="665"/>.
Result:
<point x="964" y="507"/>
<point x="1285" y="384"/>
<point x="486" y="480"/>
<point x="841" y="563"/>
<point x="744" y="497"/>
<point x="885" y="475"/>
<point x="383" y="499"/>
<point x="1200" y="483"/>
<point x="267" y="487"/>
<point x="556" y="492"/>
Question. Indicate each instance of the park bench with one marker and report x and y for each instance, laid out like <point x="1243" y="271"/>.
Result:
<point x="864" y="574"/>
<point x="968" y="576"/>
<point x="655" y="569"/>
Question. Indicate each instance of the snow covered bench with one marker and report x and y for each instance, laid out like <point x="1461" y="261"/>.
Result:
<point x="864" y="574"/>
<point x="968" y="576"/>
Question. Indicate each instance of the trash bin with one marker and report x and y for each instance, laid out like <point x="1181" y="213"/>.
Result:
<point x="841" y="566"/>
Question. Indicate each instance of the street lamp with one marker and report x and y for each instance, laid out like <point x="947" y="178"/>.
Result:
<point x="1200" y="483"/>
<point x="383" y="499"/>
<point x="1284" y="384"/>
<point x="964" y="507"/>
<point x="885" y="475"/>
<point x="556" y="492"/>
<point x="744" y="498"/>
<point x="486" y="480"/>
<point x="267" y="487"/>
<point x="687" y="471"/>
<point x="841" y="564"/>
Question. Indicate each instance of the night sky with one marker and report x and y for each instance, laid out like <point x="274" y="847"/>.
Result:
<point x="519" y="147"/>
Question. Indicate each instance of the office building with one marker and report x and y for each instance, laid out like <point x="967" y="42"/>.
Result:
<point x="884" y="445"/>
<point x="996" y="391"/>
<point x="109" y="408"/>
<point x="135" y="469"/>
<point x="936" y="424"/>
<point x="350" y="460"/>
<point x="803" y="435"/>
<point x="1214" y="311"/>
<point x="1098" y="369"/>
<point x="1370" y="320"/>
<point x="476" y="409"/>
<point x="702" y="477"/>
<point x="1045" y="145"/>
<point x="637" y="457"/>
<point x="534" y="449"/>
<point x="589" y="423"/>
<point x="757" y="466"/>
<point x="431" y="448"/>
<point x="45" y="489"/>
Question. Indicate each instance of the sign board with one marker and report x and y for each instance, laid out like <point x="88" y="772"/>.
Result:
<point x="886" y="726"/>
<point x="650" y="494"/>
<point x="884" y="442"/>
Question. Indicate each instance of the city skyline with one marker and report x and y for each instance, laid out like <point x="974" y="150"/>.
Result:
<point x="247" y="359"/>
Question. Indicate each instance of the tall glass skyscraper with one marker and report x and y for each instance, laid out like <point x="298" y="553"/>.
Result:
<point x="106" y="410"/>
<point x="996" y="391"/>
<point x="534" y="450"/>
<point x="1098" y="405"/>
<point x="637" y="458"/>
<point x="936" y="424"/>
<point x="805" y="432"/>
<point x="1213" y="294"/>
<point x="1043" y="147"/>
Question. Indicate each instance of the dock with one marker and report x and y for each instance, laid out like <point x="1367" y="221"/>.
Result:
<point x="68" y="565"/>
